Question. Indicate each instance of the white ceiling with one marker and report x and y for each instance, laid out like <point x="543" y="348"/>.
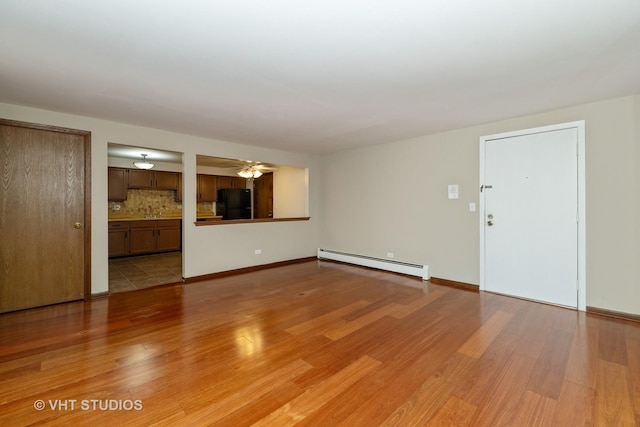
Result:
<point x="316" y="75"/>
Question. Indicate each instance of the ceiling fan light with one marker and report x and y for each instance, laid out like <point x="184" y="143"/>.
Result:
<point x="144" y="164"/>
<point x="249" y="172"/>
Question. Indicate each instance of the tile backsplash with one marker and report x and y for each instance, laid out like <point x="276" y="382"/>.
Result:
<point x="138" y="202"/>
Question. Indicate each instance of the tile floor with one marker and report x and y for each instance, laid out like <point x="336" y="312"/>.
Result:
<point x="145" y="271"/>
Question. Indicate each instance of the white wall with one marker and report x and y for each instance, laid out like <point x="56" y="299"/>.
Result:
<point x="393" y="198"/>
<point x="206" y="249"/>
<point x="289" y="192"/>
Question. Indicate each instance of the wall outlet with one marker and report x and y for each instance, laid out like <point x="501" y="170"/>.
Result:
<point x="258" y="252"/>
<point x="389" y="254"/>
<point x="117" y="207"/>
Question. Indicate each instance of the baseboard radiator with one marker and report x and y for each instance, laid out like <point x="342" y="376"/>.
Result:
<point x="377" y="263"/>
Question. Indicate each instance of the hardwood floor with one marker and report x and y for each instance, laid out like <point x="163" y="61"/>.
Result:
<point x="317" y="344"/>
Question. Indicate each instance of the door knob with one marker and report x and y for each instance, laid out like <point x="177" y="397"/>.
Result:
<point x="77" y="225"/>
<point x="490" y="223"/>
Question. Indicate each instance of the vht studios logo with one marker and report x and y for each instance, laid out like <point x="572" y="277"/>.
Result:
<point x="88" y="405"/>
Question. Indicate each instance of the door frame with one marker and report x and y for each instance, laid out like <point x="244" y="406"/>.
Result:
<point x="87" y="188"/>
<point x="580" y="215"/>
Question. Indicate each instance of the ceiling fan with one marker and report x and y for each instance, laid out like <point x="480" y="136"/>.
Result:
<point x="253" y="170"/>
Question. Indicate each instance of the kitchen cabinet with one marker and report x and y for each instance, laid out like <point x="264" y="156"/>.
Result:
<point x="166" y="180"/>
<point x="159" y="180"/>
<point x="139" y="178"/>
<point x="178" y="196"/>
<point x="144" y="236"/>
<point x="118" y="238"/>
<point x="231" y="182"/>
<point x="207" y="188"/>
<point x="169" y="235"/>
<point x="118" y="178"/>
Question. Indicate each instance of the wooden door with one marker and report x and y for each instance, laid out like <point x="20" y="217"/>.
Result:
<point x="263" y="196"/>
<point x="44" y="215"/>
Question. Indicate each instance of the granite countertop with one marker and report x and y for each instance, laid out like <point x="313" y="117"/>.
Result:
<point x="142" y="218"/>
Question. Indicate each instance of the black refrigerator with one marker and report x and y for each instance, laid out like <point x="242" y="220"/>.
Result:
<point x="234" y="203"/>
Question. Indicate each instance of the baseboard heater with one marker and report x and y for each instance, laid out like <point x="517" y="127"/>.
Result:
<point x="377" y="263"/>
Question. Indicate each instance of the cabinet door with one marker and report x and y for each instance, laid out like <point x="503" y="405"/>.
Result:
<point x="207" y="188"/>
<point x="166" y="180"/>
<point x="239" y="182"/>
<point x="117" y="184"/>
<point x="140" y="178"/>
<point x="142" y="241"/>
<point x="169" y="239"/>
<point x="178" y="196"/>
<point x="225" y="182"/>
<point x="118" y="243"/>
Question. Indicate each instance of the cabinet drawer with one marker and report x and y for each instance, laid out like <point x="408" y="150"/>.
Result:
<point x="143" y="224"/>
<point x="168" y="223"/>
<point x="118" y="225"/>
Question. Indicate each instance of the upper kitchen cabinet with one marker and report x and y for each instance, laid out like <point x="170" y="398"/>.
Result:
<point x="166" y="180"/>
<point x="207" y="188"/>
<point x="178" y="196"/>
<point x="231" y="182"/>
<point x="117" y="184"/>
<point x="153" y="179"/>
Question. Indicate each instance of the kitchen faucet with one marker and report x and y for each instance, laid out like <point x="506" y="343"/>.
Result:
<point x="150" y="212"/>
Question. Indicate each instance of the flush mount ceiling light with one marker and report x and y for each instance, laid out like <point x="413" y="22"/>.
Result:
<point x="144" y="164"/>
<point x="249" y="172"/>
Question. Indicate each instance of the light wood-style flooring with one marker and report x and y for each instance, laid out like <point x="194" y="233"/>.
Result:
<point x="317" y="344"/>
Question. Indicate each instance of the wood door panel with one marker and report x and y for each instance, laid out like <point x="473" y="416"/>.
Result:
<point x="117" y="184"/>
<point x="169" y="239"/>
<point x="166" y="180"/>
<point x="41" y="198"/>
<point x="140" y="178"/>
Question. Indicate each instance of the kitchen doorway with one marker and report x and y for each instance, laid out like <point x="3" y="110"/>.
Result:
<point x="144" y="217"/>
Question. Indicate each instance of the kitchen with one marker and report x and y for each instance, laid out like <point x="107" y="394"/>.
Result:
<point x="145" y="209"/>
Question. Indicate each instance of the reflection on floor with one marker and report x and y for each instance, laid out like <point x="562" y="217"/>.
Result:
<point x="129" y="274"/>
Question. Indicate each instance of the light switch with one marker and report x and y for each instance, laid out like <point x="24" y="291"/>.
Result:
<point x="472" y="207"/>
<point x="453" y="191"/>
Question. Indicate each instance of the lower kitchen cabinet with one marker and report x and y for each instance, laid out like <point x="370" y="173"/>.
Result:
<point x="118" y="238"/>
<point x="144" y="237"/>
<point x="169" y="235"/>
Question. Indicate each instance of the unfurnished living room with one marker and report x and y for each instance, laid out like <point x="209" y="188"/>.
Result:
<point x="320" y="213"/>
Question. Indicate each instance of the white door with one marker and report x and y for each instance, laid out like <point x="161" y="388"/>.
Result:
<point x="530" y="215"/>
